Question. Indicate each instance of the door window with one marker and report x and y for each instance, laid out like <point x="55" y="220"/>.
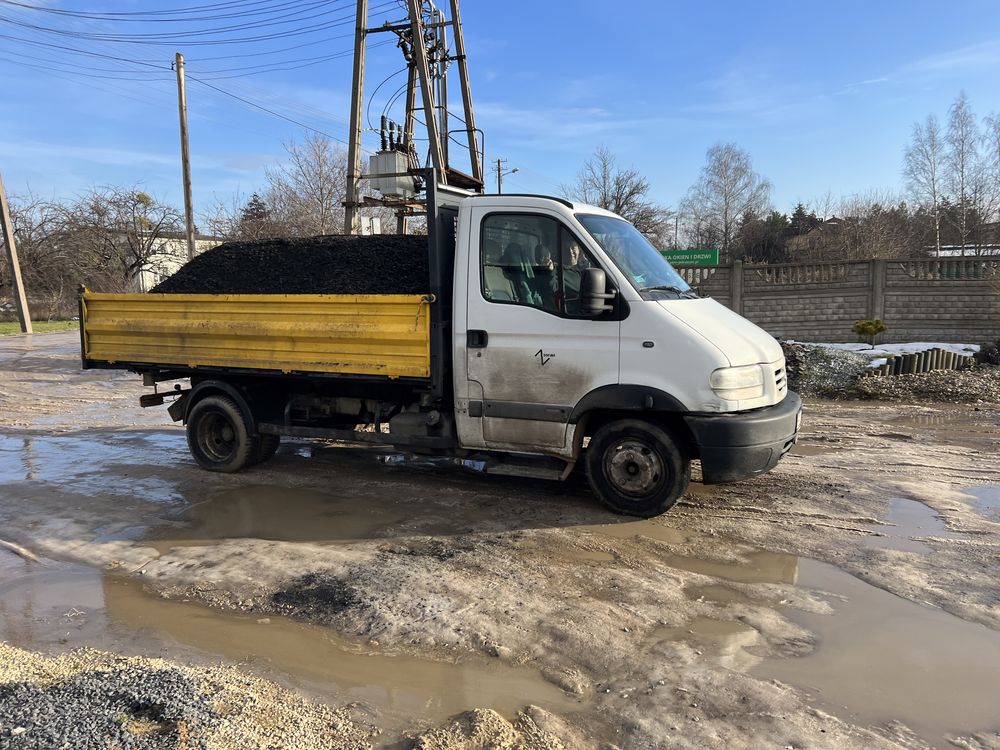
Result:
<point x="533" y="261"/>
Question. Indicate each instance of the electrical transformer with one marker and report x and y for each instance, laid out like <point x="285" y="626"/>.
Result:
<point x="391" y="162"/>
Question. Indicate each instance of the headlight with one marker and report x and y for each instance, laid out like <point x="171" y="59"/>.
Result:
<point x="738" y="383"/>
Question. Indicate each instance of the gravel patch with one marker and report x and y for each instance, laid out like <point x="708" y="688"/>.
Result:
<point x="130" y="708"/>
<point x="819" y="371"/>
<point x="976" y="386"/>
<point x="91" y="699"/>
<point x="328" y="264"/>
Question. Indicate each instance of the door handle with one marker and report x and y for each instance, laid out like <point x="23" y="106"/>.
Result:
<point x="477" y="339"/>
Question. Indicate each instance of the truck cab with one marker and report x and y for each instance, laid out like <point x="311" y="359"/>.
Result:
<point x="574" y="337"/>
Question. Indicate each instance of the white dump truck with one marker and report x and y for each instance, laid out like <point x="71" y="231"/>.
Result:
<point x="551" y="334"/>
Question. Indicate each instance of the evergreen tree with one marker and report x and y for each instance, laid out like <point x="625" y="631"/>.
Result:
<point x="802" y="222"/>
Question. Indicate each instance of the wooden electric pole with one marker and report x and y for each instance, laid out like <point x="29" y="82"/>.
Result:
<point x="424" y="42"/>
<point x="499" y="169"/>
<point x="351" y="222"/>
<point x="463" y="80"/>
<point x="442" y="76"/>
<point x="185" y="153"/>
<point x="15" y="268"/>
<point x="426" y="89"/>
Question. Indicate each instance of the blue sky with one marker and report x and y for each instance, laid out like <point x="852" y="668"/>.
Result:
<point x="823" y="96"/>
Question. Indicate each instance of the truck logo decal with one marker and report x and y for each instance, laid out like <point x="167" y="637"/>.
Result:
<point x="543" y="357"/>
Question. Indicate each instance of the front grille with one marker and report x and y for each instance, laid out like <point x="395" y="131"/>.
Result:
<point x="780" y="382"/>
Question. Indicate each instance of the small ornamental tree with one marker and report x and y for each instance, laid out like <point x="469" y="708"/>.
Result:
<point x="867" y="330"/>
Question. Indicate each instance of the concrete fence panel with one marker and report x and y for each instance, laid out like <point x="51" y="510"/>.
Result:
<point x="951" y="300"/>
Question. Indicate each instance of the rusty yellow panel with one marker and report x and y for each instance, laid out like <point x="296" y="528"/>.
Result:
<point x="386" y="335"/>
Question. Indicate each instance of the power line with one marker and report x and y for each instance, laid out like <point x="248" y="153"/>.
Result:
<point x="190" y="9"/>
<point x="395" y="96"/>
<point x="150" y="16"/>
<point x="371" y="98"/>
<point x="181" y="38"/>
<point x="280" y="66"/>
<point x="269" y="111"/>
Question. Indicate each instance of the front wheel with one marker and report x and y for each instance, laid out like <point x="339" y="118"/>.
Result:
<point x="636" y="468"/>
<point x="218" y="437"/>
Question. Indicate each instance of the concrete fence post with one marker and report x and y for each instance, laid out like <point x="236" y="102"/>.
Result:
<point x="736" y="286"/>
<point x="877" y="276"/>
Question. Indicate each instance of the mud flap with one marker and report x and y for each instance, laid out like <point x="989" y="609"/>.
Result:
<point x="178" y="408"/>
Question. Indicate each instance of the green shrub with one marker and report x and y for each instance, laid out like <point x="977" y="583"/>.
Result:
<point x="867" y="330"/>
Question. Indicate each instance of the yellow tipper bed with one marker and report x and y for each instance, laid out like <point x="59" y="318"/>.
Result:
<point x="387" y="335"/>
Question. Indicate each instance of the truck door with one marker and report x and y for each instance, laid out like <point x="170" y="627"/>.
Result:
<point x="531" y="354"/>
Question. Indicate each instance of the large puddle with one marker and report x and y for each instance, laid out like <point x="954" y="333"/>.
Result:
<point x="128" y="462"/>
<point x="986" y="500"/>
<point x="65" y="606"/>
<point x="906" y="522"/>
<point x="955" y="428"/>
<point x="879" y="658"/>
<point x="279" y="514"/>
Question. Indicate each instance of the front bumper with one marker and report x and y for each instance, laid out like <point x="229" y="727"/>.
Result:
<point x="736" y="446"/>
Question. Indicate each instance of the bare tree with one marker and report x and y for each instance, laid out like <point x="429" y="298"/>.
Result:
<point x="49" y="271"/>
<point x="991" y="140"/>
<point x="603" y="183"/>
<point x="727" y="190"/>
<point x="871" y="224"/>
<point x="306" y="193"/>
<point x="922" y="168"/>
<point x="117" y="233"/>
<point x="246" y="219"/>
<point x="964" y="169"/>
<point x="876" y="224"/>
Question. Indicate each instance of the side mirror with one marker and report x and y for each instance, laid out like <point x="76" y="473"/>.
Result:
<point x="594" y="295"/>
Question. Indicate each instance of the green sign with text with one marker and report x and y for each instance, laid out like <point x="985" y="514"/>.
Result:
<point x="691" y="257"/>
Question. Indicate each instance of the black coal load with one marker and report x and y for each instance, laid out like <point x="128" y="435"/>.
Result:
<point x="328" y="264"/>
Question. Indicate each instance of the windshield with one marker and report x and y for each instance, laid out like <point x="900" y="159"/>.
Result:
<point x="642" y="263"/>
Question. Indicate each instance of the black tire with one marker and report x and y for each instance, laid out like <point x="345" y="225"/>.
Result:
<point x="636" y="468"/>
<point x="267" y="446"/>
<point x="218" y="437"/>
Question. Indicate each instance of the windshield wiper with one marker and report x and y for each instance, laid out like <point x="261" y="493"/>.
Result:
<point x="687" y="293"/>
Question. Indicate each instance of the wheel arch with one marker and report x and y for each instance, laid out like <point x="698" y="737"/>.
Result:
<point x="220" y="388"/>
<point x="613" y="402"/>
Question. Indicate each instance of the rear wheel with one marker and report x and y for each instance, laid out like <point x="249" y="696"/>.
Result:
<point x="267" y="446"/>
<point x="636" y="468"/>
<point x="218" y="437"/>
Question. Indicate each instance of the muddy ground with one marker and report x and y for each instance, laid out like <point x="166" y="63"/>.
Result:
<point x="849" y="599"/>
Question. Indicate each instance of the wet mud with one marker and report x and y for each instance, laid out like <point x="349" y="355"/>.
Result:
<point x="64" y="606"/>
<point x="846" y="600"/>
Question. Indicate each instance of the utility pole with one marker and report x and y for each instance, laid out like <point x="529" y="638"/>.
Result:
<point x="442" y="41"/>
<point x="499" y="169"/>
<point x="15" y="268"/>
<point x="185" y="153"/>
<point x="417" y="28"/>
<point x="463" y="79"/>
<point x="423" y="40"/>
<point x="351" y="223"/>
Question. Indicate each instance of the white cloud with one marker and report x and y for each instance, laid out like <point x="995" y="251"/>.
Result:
<point x="853" y="88"/>
<point x="972" y="57"/>
<point x="91" y="154"/>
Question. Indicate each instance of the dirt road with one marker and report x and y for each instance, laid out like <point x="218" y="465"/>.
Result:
<point x="848" y="599"/>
